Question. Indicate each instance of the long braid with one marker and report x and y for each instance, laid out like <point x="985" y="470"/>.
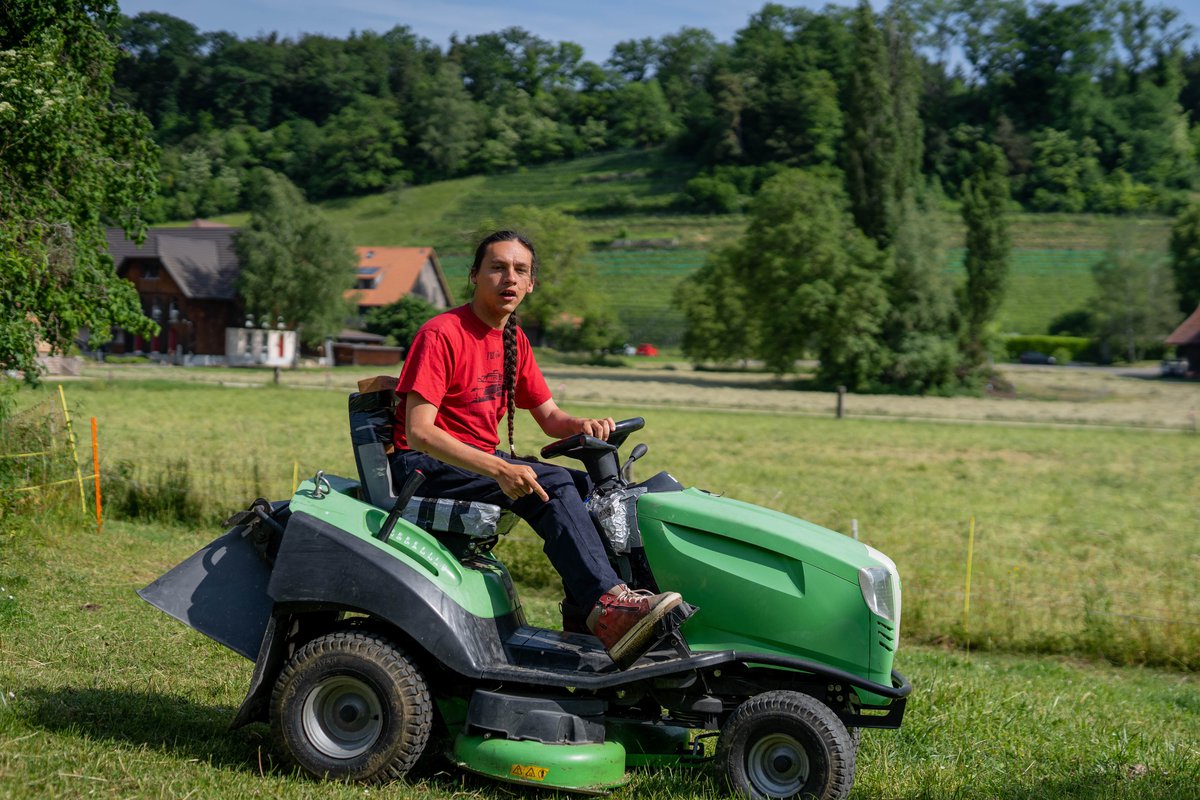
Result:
<point x="510" y="376"/>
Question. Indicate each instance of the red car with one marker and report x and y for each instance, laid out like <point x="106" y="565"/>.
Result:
<point x="646" y="349"/>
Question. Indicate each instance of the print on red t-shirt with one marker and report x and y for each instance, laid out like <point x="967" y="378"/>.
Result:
<point x="456" y="362"/>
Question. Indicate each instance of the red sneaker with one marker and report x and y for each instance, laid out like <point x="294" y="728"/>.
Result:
<point x="623" y="620"/>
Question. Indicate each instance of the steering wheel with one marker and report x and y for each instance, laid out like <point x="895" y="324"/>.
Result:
<point x="578" y="445"/>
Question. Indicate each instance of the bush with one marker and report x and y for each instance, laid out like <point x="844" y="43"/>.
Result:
<point x="710" y="195"/>
<point x="400" y="320"/>
<point x="1071" y="346"/>
<point x="165" y="496"/>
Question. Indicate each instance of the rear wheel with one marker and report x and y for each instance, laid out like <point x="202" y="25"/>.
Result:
<point x="786" y="745"/>
<point x="351" y="706"/>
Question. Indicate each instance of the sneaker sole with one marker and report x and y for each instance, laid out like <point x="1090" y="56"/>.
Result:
<point x="629" y="648"/>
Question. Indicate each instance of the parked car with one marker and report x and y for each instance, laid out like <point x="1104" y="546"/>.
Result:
<point x="647" y="349"/>
<point x="1174" y="367"/>
<point x="1034" y="357"/>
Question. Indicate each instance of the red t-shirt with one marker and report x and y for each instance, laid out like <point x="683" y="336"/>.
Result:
<point x="456" y="362"/>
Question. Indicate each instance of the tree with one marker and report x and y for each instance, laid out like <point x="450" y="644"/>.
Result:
<point x="70" y="159"/>
<point x="1185" y="257"/>
<point x="919" y="328"/>
<point x="399" y="321"/>
<point x="641" y="115"/>
<point x="715" y="303"/>
<point x="871" y="135"/>
<point x="451" y="126"/>
<point x="362" y="148"/>
<point x="1136" y="301"/>
<point x="813" y="284"/>
<point x="984" y="203"/>
<point x="295" y="266"/>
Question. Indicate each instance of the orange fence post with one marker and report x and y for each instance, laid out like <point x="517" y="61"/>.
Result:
<point x="96" y="469"/>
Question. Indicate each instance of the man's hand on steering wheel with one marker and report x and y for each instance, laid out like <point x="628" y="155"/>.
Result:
<point x="599" y="428"/>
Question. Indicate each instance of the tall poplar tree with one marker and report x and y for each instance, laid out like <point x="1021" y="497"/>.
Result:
<point x="985" y="197"/>
<point x="871" y="134"/>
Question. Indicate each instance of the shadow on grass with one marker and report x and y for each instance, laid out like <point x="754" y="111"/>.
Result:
<point x="164" y="722"/>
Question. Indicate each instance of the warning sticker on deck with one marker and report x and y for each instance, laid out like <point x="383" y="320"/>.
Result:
<point x="529" y="772"/>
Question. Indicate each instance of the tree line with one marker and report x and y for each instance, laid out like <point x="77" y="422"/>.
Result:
<point x="1091" y="102"/>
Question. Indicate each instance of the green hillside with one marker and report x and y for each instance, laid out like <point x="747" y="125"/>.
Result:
<point x="628" y="197"/>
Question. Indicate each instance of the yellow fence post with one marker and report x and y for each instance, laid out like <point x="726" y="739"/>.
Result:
<point x="74" y="453"/>
<point x="967" y="590"/>
<point x="96" y="469"/>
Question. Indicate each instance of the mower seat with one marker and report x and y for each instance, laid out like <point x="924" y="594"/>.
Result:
<point x="371" y="418"/>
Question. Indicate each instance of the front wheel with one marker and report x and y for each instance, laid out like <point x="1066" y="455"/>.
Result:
<point x="351" y="706"/>
<point x="786" y="745"/>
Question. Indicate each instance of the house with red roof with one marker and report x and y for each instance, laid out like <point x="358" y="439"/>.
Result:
<point x="187" y="280"/>
<point x="385" y="274"/>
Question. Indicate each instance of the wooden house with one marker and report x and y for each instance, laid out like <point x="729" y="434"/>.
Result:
<point x="186" y="279"/>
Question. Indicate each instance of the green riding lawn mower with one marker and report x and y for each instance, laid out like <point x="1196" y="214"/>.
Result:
<point x="385" y="632"/>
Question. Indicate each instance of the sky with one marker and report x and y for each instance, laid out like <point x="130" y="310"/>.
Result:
<point x="596" y="25"/>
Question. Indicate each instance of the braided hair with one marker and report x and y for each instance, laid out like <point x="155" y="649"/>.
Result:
<point x="510" y="327"/>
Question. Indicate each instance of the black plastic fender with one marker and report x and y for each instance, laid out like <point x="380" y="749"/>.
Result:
<point x="320" y="566"/>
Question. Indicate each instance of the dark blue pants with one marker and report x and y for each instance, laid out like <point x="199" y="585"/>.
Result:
<point x="570" y="539"/>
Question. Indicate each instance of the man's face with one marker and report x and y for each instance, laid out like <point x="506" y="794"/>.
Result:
<point x="504" y="278"/>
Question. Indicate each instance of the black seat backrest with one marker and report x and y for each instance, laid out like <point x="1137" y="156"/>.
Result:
<point x="371" y="420"/>
<point x="372" y="415"/>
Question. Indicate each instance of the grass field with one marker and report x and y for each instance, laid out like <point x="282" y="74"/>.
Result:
<point x="1084" y="554"/>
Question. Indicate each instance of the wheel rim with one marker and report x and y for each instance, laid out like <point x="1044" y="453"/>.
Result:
<point x="777" y="765"/>
<point x="343" y="717"/>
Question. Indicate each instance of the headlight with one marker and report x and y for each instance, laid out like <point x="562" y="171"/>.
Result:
<point x="881" y="587"/>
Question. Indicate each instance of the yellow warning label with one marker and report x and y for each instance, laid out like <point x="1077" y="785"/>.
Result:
<point x="529" y="772"/>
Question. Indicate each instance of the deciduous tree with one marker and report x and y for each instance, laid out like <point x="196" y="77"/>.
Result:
<point x="1136" y="300"/>
<point x="296" y="267"/>
<point x="70" y="160"/>
<point x="808" y="279"/>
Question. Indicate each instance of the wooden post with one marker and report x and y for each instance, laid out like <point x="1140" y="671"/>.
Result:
<point x="841" y="400"/>
<point x="74" y="453"/>
<point x="96" y="469"/>
<point x="967" y="589"/>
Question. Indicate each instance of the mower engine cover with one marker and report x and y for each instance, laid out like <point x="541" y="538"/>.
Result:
<point x="768" y="582"/>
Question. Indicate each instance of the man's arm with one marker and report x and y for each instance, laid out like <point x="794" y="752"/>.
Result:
<point x="558" y="424"/>
<point x="516" y="480"/>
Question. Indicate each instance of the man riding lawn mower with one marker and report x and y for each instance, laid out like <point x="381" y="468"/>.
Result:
<point x="384" y="629"/>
